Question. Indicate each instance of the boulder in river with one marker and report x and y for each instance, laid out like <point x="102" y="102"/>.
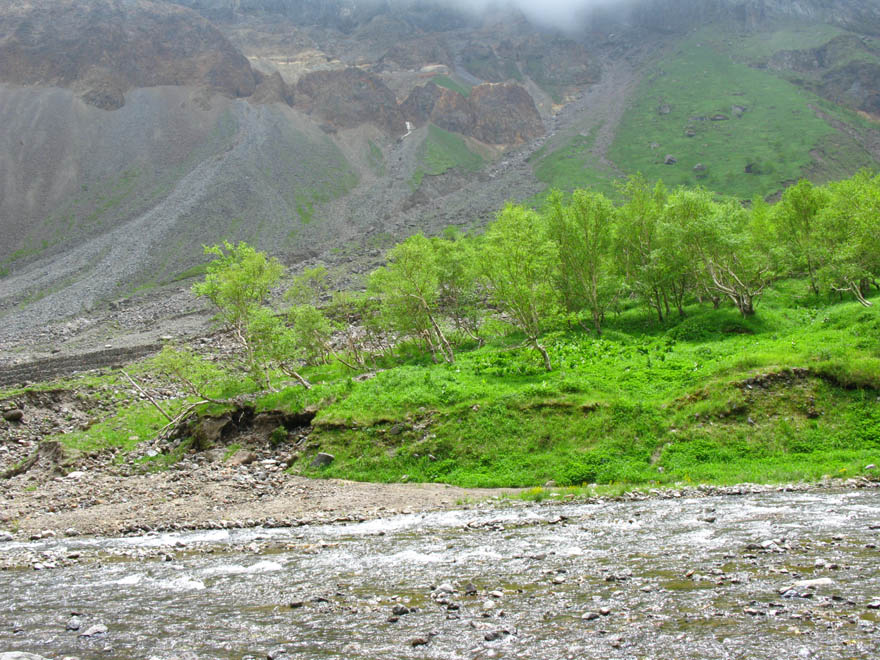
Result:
<point x="94" y="631"/>
<point x="17" y="655"/>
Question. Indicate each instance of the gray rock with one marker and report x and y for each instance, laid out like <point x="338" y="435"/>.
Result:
<point x="400" y="610"/>
<point x="15" y="415"/>
<point x="5" y="537"/>
<point x="74" y="623"/>
<point x="16" y="655"/>
<point x="670" y="160"/>
<point x="322" y="460"/>
<point x="818" y="582"/>
<point x="243" y="457"/>
<point x="589" y="616"/>
<point x="94" y="631"/>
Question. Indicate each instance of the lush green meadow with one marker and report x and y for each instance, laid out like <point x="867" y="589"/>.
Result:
<point x="647" y="403"/>
<point x="767" y="129"/>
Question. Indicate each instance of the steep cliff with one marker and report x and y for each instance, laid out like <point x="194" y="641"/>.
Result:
<point x="104" y="48"/>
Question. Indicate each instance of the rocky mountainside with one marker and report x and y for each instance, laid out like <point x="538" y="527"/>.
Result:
<point x="104" y="48"/>
<point x="132" y="132"/>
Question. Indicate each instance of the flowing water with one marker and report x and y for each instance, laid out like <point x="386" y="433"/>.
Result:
<point x="714" y="577"/>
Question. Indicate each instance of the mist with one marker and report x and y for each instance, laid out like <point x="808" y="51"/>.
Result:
<point x="563" y="14"/>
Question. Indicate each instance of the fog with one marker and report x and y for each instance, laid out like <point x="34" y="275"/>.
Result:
<point x="564" y="14"/>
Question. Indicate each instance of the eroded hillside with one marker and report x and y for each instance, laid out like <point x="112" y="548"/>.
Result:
<point x="135" y="132"/>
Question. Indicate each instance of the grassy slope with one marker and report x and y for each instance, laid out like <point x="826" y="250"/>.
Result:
<point x="442" y="151"/>
<point x="778" y="135"/>
<point x="645" y="404"/>
<point x="454" y="85"/>
<point x="572" y="166"/>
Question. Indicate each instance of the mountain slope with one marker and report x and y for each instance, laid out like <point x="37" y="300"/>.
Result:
<point x="134" y="131"/>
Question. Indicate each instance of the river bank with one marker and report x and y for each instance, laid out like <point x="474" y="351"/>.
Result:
<point x="102" y="498"/>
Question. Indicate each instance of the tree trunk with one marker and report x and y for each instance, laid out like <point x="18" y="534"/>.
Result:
<point x="543" y="351"/>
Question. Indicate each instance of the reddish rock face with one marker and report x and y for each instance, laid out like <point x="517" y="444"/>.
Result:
<point x="349" y="98"/>
<point x="453" y="112"/>
<point x="506" y="114"/>
<point x="103" y="48"/>
<point x="495" y="113"/>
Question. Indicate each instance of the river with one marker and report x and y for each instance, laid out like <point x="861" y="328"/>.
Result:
<point x="773" y="575"/>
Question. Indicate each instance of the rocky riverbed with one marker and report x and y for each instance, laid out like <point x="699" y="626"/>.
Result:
<point x="782" y="572"/>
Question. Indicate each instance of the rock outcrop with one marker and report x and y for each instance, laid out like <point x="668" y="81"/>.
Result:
<point x="846" y="70"/>
<point x="349" y="98"/>
<point x="495" y="113"/>
<point x="104" y="48"/>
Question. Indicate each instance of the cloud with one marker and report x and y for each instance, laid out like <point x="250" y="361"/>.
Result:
<point x="565" y="14"/>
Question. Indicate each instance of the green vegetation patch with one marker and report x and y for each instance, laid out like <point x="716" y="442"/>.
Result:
<point x="375" y="159"/>
<point x="454" y="85"/>
<point x="573" y="165"/>
<point x="745" y="131"/>
<point x="761" y="45"/>
<point x="788" y="396"/>
<point x="442" y="151"/>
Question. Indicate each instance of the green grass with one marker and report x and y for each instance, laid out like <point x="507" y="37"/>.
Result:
<point x="710" y="398"/>
<point x="573" y="165"/>
<point x="376" y="159"/>
<point x="454" y="85"/>
<point x="198" y="270"/>
<point x="442" y="151"/>
<point x="646" y="404"/>
<point x="772" y="139"/>
<point x="761" y="45"/>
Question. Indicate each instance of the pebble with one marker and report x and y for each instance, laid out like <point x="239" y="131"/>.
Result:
<point x="400" y="610"/>
<point x="808" y="584"/>
<point x="446" y="587"/>
<point x="488" y="605"/>
<point x="74" y="623"/>
<point x="5" y="537"/>
<point x="589" y="616"/>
